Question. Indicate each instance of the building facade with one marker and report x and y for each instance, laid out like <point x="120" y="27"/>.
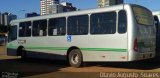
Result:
<point x="105" y="3"/>
<point x="32" y="14"/>
<point x="6" y="18"/>
<point x="68" y="7"/>
<point x="53" y="6"/>
<point x="11" y="17"/>
<point x="46" y="6"/>
<point x="1" y="19"/>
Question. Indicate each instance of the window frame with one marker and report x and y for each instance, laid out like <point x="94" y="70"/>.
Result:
<point x="115" y="28"/>
<point x="39" y="22"/>
<point x="121" y="20"/>
<point x="30" y="29"/>
<point x="59" y="18"/>
<point x="78" y="18"/>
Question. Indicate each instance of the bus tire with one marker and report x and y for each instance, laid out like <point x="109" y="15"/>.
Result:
<point x="75" y="58"/>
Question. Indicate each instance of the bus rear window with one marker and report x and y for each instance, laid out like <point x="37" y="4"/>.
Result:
<point x="143" y="16"/>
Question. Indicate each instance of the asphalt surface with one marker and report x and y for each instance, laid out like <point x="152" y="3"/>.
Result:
<point x="44" y="68"/>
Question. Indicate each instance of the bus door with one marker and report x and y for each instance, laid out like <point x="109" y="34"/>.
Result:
<point x="12" y="41"/>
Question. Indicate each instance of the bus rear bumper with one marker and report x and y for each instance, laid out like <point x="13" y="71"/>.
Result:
<point x="146" y="56"/>
<point x="142" y="56"/>
<point x="11" y="52"/>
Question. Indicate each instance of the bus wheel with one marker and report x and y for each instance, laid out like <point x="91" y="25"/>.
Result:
<point x="75" y="58"/>
<point x="23" y="53"/>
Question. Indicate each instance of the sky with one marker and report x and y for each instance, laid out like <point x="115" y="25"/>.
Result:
<point x="20" y="7"/>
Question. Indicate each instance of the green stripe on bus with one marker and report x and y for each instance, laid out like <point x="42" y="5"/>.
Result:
<point x="83" y="49"/>
<point x="12" y="47"/>
<point x="49" y="48"/>
<point x="104" y="49"/>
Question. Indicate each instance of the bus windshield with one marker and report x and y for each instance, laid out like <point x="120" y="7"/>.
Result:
<point x="12" y="33"/>
<point x="142" y="15"/>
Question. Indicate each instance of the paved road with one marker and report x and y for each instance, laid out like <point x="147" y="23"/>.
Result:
<point x="42" y="68"/>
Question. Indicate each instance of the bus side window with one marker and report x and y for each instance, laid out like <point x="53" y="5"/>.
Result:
<point x="25" y="29"/>
<point x="78" y="25"/>
<point x="122" y="22"/>
<point x="39" y="28"/>
<point x="103" y="23"/>
<point x="57" y="26"/>
<point x="83" y="22"/>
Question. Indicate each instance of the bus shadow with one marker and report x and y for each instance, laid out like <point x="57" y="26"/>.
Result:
<point x="139" y="65"/>
<point x="30" y="66"/>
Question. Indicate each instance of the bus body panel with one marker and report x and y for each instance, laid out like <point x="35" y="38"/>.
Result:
<point x="12" y="48"/>
<point x="111" y="47"/>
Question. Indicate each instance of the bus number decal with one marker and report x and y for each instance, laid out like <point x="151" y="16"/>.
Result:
<point x="21" y="41"/>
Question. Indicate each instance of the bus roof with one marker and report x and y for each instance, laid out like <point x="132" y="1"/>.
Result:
<point x="73" y="13"/>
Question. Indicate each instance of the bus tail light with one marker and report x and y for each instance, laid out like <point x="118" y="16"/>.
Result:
<point x="135" y="45"/>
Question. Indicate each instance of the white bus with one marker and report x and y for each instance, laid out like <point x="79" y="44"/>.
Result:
<point x="156" y="15"/>
<point x="117" y="33"/>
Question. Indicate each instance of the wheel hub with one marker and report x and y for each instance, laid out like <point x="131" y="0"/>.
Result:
<point x="75" y="59"/>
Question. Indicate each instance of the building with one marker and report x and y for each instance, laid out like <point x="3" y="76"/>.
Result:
<point x="32" y="14"/>
<point x="53" y="6"/>
<point x="5" y="18"/>
<point x="68" y="7"/>
<point x="105" y="3"/>
<point x="62" y="7"/>
<point x="1" y="19"/>
<point x="11" y="17"/>
<point x="47" y="5"/>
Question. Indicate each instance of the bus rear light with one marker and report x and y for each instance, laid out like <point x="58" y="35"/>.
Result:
<point x="135" y="45"/>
